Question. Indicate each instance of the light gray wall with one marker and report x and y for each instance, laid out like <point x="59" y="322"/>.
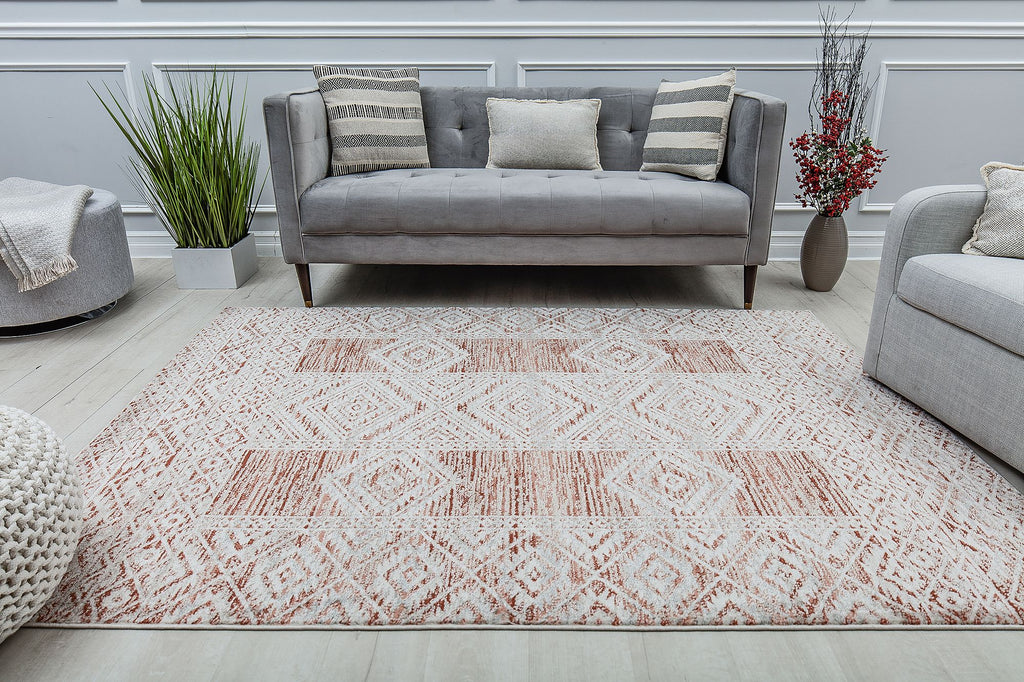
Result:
<point x="950" y="92"/>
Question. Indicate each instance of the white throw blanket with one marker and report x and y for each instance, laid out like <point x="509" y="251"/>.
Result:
<point x="37" y="223"/>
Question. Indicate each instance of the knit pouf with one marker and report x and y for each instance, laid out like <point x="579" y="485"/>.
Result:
<point x="40" y="516"/>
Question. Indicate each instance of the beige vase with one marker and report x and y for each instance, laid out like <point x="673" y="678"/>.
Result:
<point x="823" y="252"/>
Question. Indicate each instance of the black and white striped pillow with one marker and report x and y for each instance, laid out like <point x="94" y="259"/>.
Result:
<point x="375" y="118"/>
<point x="689" y="126"/>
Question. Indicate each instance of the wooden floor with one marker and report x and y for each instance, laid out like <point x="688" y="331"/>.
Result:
<point x="79" y="379"/>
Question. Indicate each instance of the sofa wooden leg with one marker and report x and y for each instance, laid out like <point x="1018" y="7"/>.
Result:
<point x="749" y="277"/>
<point x="302" y="270"/>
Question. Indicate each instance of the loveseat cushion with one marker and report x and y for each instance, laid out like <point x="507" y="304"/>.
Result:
<point x="980" y="294"/>
<point x="522" y="202"/>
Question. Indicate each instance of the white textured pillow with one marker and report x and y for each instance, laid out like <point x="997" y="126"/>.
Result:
<point x="689" y="126"/>
<point x="1000" y="229"/>
<point x="543" y="133"/>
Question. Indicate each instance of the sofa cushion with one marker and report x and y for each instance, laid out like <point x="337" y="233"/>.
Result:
<point x="522" y="202"/>
<point x="981" y="294"/>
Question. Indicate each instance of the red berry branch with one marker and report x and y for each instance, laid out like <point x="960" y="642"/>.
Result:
<point x="835" y="164"/>
<point x="839" y="161"/>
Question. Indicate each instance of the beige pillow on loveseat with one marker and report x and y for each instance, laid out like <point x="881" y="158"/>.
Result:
<point x="543" y="133"/>
<point x="1000" y="229"/>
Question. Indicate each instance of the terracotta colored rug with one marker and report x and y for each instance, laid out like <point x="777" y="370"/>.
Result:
<point x="411" y="466"/>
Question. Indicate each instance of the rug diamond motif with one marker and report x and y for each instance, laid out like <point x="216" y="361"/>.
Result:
<point x="387" y="483"/>
<point x="420" y="355"/>
<point x="518" y="466"/>
<point x="621" y="355"/>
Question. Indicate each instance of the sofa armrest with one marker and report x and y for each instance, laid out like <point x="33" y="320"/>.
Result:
<point x="936" y="219"/>
<point x="300" y="153"/>
<point x="752" y="156"/>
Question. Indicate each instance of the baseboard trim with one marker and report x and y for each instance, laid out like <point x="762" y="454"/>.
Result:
<point x="155" y="244"/>
<point x="864" y="245"/>
<point x="785" y="244"/>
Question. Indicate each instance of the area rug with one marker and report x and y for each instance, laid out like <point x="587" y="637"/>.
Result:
<point x="520" y="466"/>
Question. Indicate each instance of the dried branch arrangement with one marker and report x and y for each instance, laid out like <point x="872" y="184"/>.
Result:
<point x="836" y="160"/>
<point x="841" y="67"/>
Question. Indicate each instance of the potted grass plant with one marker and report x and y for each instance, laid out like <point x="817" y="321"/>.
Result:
<point x="197" y="171"/>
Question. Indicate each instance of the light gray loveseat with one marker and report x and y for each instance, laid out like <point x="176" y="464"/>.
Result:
<point x="947" y="329"/>
<point x="458" y="212"/>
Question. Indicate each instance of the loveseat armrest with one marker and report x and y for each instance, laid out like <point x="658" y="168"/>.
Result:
<point x="937" y="219"/>
<point x="753" y="152"/>
<point x="300" y="154"/>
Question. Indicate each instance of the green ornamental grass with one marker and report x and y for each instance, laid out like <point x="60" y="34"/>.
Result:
<point x="193" y="165"/>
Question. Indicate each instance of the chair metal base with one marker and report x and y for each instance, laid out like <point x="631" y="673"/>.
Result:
<point x="54" y="325"/>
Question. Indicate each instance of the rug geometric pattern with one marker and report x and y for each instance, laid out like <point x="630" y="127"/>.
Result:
<point x="516" y="466"/>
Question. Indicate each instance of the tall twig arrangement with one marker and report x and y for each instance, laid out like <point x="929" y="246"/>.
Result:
<point x="193" y="164"/>
<point x="837" y="160"/>
<point x="841" y="67"/>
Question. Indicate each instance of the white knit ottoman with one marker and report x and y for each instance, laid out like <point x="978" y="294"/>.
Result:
<point x="40" y="516"/>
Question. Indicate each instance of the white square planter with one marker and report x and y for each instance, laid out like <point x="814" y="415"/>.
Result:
<point x="215" y="268"/>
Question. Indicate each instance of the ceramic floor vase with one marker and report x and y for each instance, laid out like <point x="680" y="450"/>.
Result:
<point x="823" y="252"/>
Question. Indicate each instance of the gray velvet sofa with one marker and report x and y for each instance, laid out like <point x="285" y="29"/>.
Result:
<point x="947" y="329"/>
<point x="458" y="212"/>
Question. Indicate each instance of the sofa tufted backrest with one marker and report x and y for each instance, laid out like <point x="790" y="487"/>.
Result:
<point x="456" y="122"/>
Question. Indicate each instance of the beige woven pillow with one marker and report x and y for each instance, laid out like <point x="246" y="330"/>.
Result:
<point x="375" y="118"/>
<point x="1000" y="229"/>
<point x="689" y="126"/>
<point x="543" y="133"/>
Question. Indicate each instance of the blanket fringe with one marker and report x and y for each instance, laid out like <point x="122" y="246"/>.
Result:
<point x="44" y="274"/>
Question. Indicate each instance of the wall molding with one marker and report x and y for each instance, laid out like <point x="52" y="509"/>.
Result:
<point x="162" y="68"/>
<point x="865" y="204"/>
<point x="67" y="67"/>
<point x="792" y="207"/>
<point x="785" y="244"/>
<point x="122" y="67"/>
<point x="525" y="68"/>
<point x="90" y="30"/>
